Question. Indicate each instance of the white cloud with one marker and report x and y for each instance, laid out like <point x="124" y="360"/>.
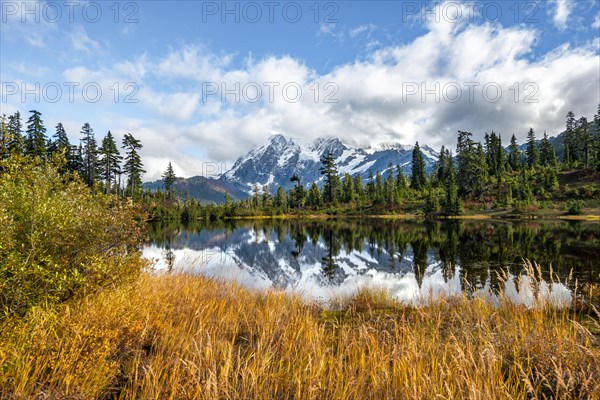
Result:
<point x="179" y="105"/>
<point x="30" y="70"/>
<point x="596" y="23"/>
<point x="18" y="25"/>
<point x="192" y="62"/>
<point x="369" y="28"/>
<point x="80" y="41"/>
<point x="560" y="11"/>
<point x="371" y="103"/>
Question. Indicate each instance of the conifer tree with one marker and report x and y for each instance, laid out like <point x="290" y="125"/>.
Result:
<point x="359" y="188"/>
<point x="110" y="162"/>
<point x="584" y="140"/>
<point x="133" y="166"/>
<point x="514" y="154"/>
<point x="532" y="152"/>
<point x="90" y="155"/>
<point x="280" y="200"/>
<point x="441" y="167"/>
<point x="379" y="190"/>
<point x="35" y="141"/>
<point x="16" y="141"/>
<point x="266" y="200"/>
<point x="314" y="196"/>
<point x="298" y="194"/>
<point x="256" y="196"/>
<point x="418" y="178"/>
<point x="332" y="180"/>
<point x="494" y="154"/>
<point x="597" y="139"/>
<point x="401" y="182"/>
<point x="570" y="143"/>
<point x="61" y="140"/>
<point x="431" y="202"/>
<point x="452" y="204"/>
<point x="4" y="137"/>
<point x="547" y="153"/>
<point x="348" y="194"/>
<point x="169" y="178"/>
<point x="370" y="187"/>
<point x="471" y="165"/>
<point x="389" y="186"/>
<point x="77" y="164"/>
<point x="479" y="170"/>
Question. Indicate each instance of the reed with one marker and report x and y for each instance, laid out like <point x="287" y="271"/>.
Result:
<point x="188" y="337"/>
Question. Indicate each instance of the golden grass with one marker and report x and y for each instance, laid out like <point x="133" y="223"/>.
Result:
<point x="186" y="337"/>
<point x="580" y="217"/>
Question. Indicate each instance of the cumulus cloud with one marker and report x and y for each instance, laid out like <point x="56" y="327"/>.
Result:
<point x="17" y="25"/>
<point x="596" y="23"/>
<point x="455" y="76"/>
<point x="560" y="11"/>
<point x="81" y="42"/>
<point x="192" y="62"/>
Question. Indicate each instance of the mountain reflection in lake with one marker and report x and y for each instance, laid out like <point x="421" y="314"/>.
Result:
<point x="412" y="260"/>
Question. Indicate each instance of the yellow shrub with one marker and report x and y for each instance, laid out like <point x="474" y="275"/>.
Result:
<point x="57" y="240"/>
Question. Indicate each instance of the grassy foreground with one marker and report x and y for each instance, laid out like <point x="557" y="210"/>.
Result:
<point x="186" y="337"/>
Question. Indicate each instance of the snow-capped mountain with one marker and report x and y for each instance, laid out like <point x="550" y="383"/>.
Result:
<point x="274" y="163"/>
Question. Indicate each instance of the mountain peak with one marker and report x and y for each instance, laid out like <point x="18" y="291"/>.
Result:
<point x="277" y="138"/>
<point x="275" y="162"/>
<point x="324" y="146"/>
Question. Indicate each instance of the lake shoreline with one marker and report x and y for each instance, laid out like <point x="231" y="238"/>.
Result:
<point x="549" y="216"/>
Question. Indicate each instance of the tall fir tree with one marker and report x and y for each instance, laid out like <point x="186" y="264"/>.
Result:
<point x="359" y="188"/>
<point x="89" y="155"/>
<point x="569" y="141"/>
<point x="514" y="154"/>
<point x="348" y="194"/>
<point x="4" y="138"/>
<point x="494" y="154"/>
<point x="532" y="152"/>
<point x="298" y="194"/>
<point x="370" y="186"/>
<point x="168" y="178"/>
<point x="16" y="143"/>
<point x="314" y="198"/>
<point x="441" y="172"/>
<point x="332" y="187"/>
<point x="501" y="156"/>
<point x="267" y="199"/>
<point x="280" y="200"/>
<point x="597" y="139"/>
<point x="452" y="203"/>
<point x="584" y="140"/>
<point x="133" y="166"/>
<point x="78" y="165"/>
<point x="110" y="162"/>
<point x="379" y="197"/>
<point x="401" y="183"/>
<point x="35" y="140"/>
<point x="466" y="157"/>
<point x="547" y="153"/>
<point x="61" y="140"/>
<point x="418" y="179"/>
<point x="389" y="186"/>
<point x="479" y="170"/>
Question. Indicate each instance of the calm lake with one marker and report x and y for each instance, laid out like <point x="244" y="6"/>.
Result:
<point x="321" y="259"/>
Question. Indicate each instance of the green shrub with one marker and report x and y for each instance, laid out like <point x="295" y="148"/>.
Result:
<point x="574" y="207"/>
<point x="57" y="240"/>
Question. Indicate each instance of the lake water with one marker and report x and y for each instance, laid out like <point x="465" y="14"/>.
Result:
<point x="322" y="259"/>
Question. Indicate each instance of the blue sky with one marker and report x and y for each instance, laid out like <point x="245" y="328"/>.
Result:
<point x="369" y="72"/>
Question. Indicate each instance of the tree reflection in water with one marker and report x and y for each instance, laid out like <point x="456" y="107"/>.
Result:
<point x="480" y="252"/>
